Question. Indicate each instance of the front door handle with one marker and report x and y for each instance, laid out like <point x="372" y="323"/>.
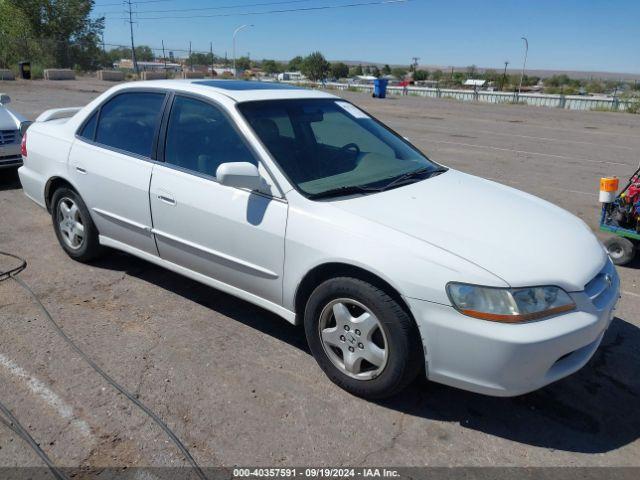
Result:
<point x="167" y="199"/>
<point x="81" y="170"/>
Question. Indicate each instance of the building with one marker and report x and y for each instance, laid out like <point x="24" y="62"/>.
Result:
<point x="291" y="76"/>
<point x="222" y="71"/>
<point x="127" y="64"/>
<point x="364" y="79"/>
<point x="474" y="83"/>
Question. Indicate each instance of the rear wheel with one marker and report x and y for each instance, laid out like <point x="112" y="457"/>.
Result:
<point x="620" y="249"/>
<point x="74" y="228"/>
<point x="363" y="340"/>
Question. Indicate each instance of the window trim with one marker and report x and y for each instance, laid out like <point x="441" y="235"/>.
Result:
<point x="98" y="110"/>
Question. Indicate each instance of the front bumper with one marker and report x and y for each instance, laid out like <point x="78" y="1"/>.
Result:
<point x="10" y="155"/>
<point x="511" y="359"/>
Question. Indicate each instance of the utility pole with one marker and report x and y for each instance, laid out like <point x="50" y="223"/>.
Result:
<point x="164" y="57"/>
<point x="414" y="63"/>
<point x="133" y="48"/>
<point x="504" y="75"/>
<point x="211" y="53"/>
<point x="524" y="63"/>
<point x="190" y="58"/>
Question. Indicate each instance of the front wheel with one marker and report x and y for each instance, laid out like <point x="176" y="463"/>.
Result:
<point x="363" y="340"/>
<point x="620" y="249"/>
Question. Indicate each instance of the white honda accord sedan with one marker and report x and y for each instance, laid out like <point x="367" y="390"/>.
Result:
<point x="300" y="202"/>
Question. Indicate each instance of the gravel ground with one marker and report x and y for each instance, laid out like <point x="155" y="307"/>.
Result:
<point x="238" y="384"/>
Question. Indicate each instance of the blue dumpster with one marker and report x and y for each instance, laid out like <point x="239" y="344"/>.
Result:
<point x="380" y="88"/>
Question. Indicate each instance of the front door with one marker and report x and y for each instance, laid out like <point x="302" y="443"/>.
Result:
<point x="231" y="235"/>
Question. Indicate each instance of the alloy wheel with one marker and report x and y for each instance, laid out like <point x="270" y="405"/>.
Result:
<point x="353" y="339"/>
<point x="70" y="223"/>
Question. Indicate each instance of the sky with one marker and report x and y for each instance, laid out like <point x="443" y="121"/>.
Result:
<point x="587" y="35"/>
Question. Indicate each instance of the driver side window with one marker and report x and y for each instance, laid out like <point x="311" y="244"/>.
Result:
<point x="200" y="138"/>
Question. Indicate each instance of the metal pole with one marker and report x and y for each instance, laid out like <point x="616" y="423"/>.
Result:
<point x="190" y="58"/>
<point x="164" y="57"/>
<point x="241" y="27"/>
<point x="504" y="75"/>
<point x="211" y="52"/>
<point x="524" y="64"/>
<point x="133" y="48"/>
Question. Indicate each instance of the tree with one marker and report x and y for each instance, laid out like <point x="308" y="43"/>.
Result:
<point x="471" y="71"/>
<point x="358" y="70"/>
<point x="64" y="28"/>
<point x="271" y="67"/>
<point x="295" y="64"/>
<point x="339" y="70"/>
<point x="492" y="76"/>
<point x="315" y="67"/>
<point x="386" y="70"/>
<point x="437" y="75"/>
<point x="243" y="63"/>
<point x="16" y="37"/>
<point x="145" y="54"/>
<point x="399" y="72"/>
<point x="420" y="75"/>
<point x="457" y="78"/>
<point x="375" y="71"/>
<point x="194" y="59"/>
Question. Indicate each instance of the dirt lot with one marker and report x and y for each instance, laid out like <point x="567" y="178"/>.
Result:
<point x="239" y="386"/>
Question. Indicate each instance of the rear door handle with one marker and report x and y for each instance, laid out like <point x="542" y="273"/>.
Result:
<point x="167" y="199"/>
<point x="81" y="170"/>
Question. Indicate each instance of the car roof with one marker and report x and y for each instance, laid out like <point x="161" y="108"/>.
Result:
<point x="238" y="90"/>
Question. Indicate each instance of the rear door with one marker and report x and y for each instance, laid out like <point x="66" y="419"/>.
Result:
<point x="111" y="165"/>
<point x="229" y="234"/>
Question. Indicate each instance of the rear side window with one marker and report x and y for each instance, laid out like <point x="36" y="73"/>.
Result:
<point x="129" y="121"/>
<point x="200" y="138"/>
<point x="89" y="129"/>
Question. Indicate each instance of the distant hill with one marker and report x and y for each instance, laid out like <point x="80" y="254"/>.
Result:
<point x="543" y="73"/>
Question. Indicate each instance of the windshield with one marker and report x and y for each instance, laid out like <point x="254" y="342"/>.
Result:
<point x="327" y="146"/>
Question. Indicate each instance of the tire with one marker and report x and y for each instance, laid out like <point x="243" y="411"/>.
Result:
<point x="620" y="249"/>
<point x="337" y="349"/>
<point x="81" y="245"/>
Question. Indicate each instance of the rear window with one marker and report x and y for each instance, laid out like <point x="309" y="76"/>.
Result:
<point x="129" y="122"/>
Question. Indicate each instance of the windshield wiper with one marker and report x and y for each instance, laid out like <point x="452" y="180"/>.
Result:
<point x="409" y="175"/>
<point x="341" y="191"/>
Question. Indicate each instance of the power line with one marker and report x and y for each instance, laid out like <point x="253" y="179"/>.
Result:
<point x="220" y="7"/>
<point x="157" y="48"/>
<point x="139" y="1"/>
<point x="287" y="10"/>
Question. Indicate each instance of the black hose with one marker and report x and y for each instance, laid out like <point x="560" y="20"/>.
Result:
<point x="172" y="436"/>
<point x="18" y="429"/>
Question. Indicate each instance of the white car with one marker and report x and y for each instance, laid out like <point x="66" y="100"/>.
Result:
<point x="300" y="202"/>
<point x="12" y="124"/>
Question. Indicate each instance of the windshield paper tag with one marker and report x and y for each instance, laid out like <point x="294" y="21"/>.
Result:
<point x="354" y="111"/>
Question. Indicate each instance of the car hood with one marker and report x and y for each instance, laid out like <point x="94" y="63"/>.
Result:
<point x="520" y="238"/>
<point x="9" y="120"/>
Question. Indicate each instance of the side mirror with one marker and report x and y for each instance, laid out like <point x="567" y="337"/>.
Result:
<point x="239" y="174"/>
<point x="4" y="99"/>
<point x="23" y="127"/>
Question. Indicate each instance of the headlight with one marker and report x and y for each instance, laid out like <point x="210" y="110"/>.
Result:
<point x="509" y="305"/>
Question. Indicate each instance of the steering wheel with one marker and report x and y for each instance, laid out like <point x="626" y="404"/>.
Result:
<point x="345" y="148"/>
<point x="349" y="146"/>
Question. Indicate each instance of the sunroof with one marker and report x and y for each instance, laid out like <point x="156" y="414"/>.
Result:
<point x="245" y="85"/>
